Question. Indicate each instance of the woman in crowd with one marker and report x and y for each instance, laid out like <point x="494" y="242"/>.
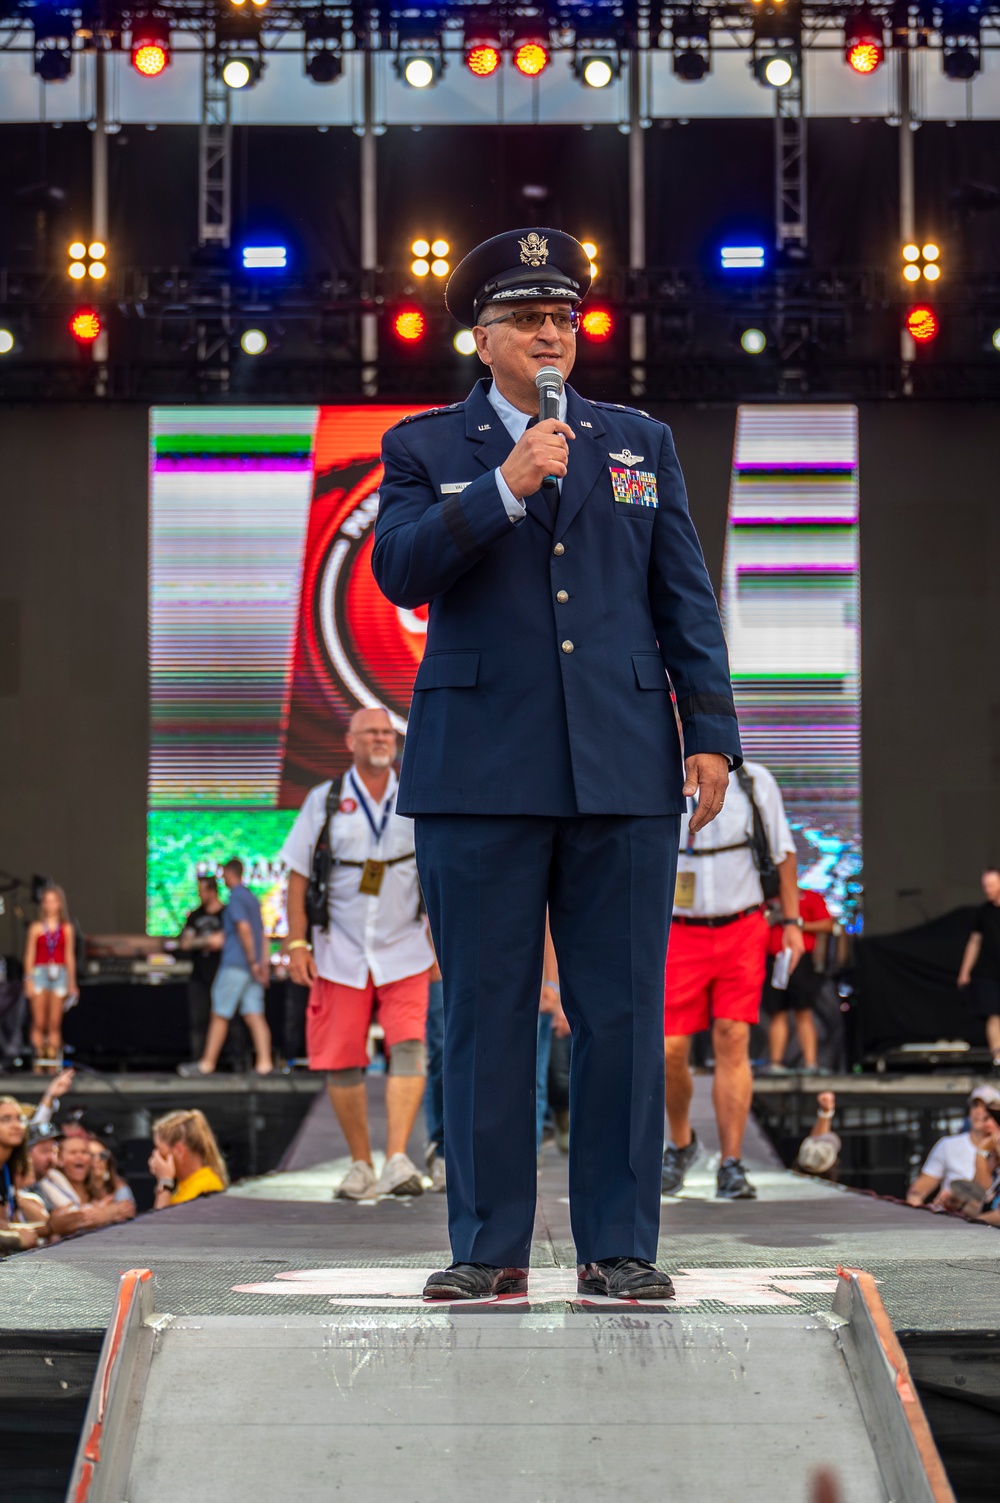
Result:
<point x="74" y="1196"/>
<point x="23" y="1218"/>
<point x="49" y="976"/>
<point x="186" y="1160"/>
<point x="106" y="1176"/>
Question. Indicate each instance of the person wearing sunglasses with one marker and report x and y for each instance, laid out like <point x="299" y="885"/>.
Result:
<point x="543" y="764"/>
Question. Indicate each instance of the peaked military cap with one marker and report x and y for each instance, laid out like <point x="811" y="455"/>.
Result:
<point x="521" y="264"/>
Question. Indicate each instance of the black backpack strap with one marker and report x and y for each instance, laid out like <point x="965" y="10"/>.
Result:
<point x="318" y="891"/>
<point x="760" y="846"/>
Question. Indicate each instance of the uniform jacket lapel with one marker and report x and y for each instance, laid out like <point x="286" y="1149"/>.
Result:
<point x="485" y="429"/>
<point x="587" y="459"/>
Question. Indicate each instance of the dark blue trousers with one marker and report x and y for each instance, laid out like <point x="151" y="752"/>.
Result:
<point x="608" y="882"/>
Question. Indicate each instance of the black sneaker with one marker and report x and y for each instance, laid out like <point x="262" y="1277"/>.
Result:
<point x="475" y="1281"/>
<point x="623" y="1278"/>
<point x="677" y="1162"/>
<point x="731" y="1182"/>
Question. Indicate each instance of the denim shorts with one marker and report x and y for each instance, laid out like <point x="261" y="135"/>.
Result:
<point x="43" y="982"/>
<point x="234" y="990"/>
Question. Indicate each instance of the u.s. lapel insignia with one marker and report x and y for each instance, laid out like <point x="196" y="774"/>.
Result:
<point x="626" y="457"/>
<point x="585" y="424"/>
<point x="484" y="427"/>
<point x="534" y="249"/>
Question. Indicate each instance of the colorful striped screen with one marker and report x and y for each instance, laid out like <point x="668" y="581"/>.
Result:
<point x="791" y="596"/>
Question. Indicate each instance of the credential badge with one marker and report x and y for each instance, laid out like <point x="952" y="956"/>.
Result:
<point x="626" y="457"/>
<point x="534" y="249"/>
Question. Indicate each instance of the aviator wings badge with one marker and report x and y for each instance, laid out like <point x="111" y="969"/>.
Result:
<point x="534" y="249"/>
<point x="626" y="457"/>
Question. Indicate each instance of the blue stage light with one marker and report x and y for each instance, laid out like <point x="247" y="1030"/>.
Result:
<point x="742" y="257"/>
<point x="265" y="257"/>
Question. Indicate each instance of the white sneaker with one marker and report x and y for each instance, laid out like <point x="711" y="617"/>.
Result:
<point x="358" y="1183"/>
<point x="399" y="1177"/>
<point x="439" y="1179"/>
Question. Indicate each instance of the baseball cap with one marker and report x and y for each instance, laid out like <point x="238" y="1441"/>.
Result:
<point x="819" y="1153"/>
<point x="987" y="1094"/>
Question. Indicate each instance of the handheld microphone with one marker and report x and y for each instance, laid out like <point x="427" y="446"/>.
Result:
<point x="550" y="384"/>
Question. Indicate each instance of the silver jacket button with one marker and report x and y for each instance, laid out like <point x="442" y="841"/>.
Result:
<point x="562" y="597"/>
<point x="559" y="550"/>
<point x="567" y="647"/>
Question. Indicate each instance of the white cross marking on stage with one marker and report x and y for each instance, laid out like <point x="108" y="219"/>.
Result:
<point x="400" y="1288"/>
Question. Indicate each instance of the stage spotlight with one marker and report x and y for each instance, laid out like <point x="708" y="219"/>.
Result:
<point x="483" y="56"/>
<point x="241" y="71"/>
<point x="911" y="273"/>
<point x="742" y="257"/>
<point x="921" y="261"/>
<point x="85" y="325"/>
<point x="253" y="341"/>
<point x="7" y="341"/>
<point x="961" y="49"/>
<point x="961" y="63"/>
<point x="776" y="69"/>
<point x="421" y="247"/>
<point x="930" y="251"/>
<point x="597" y="324"/>
<point x="465" y="342"/>
<point x="421" y="70"/>
<point x="922" y="323"/>
<point x="754" y="341"/>
<point x="265" y="258"/>
<point x="53" y="55"/>
<point x="932" y="272"/>
<point x="995" y="340"/>
<point x="440" y="268"/>
<point x="77" y="268"/>
<point x="590" y="250"/>
<point x="440" y="247"/>
<point x="324" y="66"/>
<point x="409" y="325"/>
<point x="421" y="267"/>
<point x="97" y="270"/>
<point x="150" y="45"/>
<point x="531" y="56"/>
<point x="596" y="69"/>
<point x="863" y="42"/>
<point x="692" y="46"/>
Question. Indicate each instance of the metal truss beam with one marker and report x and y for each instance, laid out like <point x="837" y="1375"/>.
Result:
<point x="790" y="179"/>
<point x="215" y="171"/>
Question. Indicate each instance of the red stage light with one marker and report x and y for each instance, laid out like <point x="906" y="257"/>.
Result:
<point x="410" y="325"/>
<point x="482" y="59"/>
<point x="150" y="59"/>
<point x="597" y="324"/>
<point x="922" y="323"/>
<point x="85" y="325"/>
<point x="531" y="58"/>
<point x="865" y="56"/>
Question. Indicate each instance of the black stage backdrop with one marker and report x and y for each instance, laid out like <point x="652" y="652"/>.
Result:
<point x="73" y="684"/>
<point x="906" y="985"/>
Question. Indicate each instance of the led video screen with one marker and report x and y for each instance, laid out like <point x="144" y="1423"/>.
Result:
<point x="267" y="629"/>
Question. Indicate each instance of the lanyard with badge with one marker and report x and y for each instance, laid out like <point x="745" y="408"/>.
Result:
<point x="373" y="872"/>
<point x="684" y="889"/>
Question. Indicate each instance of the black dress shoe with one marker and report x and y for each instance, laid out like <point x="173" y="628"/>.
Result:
<point x="475" y="1281"/>
<point x="623" y="1278"/>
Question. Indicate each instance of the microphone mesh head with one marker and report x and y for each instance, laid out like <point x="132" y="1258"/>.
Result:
<point x="549" y="376"/>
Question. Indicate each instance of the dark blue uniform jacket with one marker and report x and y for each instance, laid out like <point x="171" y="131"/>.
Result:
<point x="544" y="687"/>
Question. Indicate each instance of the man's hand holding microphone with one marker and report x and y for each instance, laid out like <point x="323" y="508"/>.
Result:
<point x="540" y="452"/>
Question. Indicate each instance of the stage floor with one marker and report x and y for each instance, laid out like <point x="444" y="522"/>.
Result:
<point x="280" y="1246"/>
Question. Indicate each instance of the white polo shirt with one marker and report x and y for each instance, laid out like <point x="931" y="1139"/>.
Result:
<point x="728" y="882"/>
<point x="380" y="934"/>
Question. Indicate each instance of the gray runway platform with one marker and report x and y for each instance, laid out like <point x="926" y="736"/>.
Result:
<point x="290" y="1342"/>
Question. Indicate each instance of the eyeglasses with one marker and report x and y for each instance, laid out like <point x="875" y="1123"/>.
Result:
<point x="529" y="321"/>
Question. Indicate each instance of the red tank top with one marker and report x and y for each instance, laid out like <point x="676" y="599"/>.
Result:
<point x="50" y="949"/>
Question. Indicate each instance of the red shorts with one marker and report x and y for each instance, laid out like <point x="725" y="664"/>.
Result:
<point x="338" y="1019"/>
<point x="714" y="973"/>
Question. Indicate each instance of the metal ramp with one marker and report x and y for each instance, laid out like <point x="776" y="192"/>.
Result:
<point x="504" y="1401"/>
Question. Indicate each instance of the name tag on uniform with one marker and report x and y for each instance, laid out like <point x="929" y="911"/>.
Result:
<point x="371" y="878"/>
<point x="454" y="486"/>
<point x="684" y="891"/>
<point x="634" y="487"/>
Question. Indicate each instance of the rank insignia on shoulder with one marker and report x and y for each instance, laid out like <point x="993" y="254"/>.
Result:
<point x="634" y="487"/>
<point x="618" y="407"/>
<point x="626" y="457"/>
<point x="414" y="417"/>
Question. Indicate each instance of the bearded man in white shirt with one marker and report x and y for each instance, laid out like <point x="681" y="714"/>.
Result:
<point x="373" y="954"/>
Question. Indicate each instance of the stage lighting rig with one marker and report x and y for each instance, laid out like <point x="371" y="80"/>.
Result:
<point x="419" y="60"/>
<point x="324" y="36"/>
<point x="961" y="54"/>
<point x="85" y="325"/>
<point x="253" y="341"/>
<point x="777" y="42"/>
<point x="8" y="342"/>
<point x="465" y="342"/>
<point x="483" y="46"/>
<point x="150" y="45"/>
<point x="753" y="341"/>
<point x="864" y="42"/>
<point x="409" y="325"/>
<point x="430" y="257"/>
<point x="239" y="53"/>
<point x="922" y="324"/>
<point x="53" y="58"/>
<point x="589" y="249"/>
<point x="597" y="325"/>
<point x="692" y="46"/>
<point x="87" y="260"/>
<point x="597" y="42"/>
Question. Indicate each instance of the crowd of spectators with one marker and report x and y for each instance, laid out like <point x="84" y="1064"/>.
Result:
<point x="60" y="1179"/>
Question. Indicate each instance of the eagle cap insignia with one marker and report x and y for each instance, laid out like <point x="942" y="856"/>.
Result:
<point x="626" y="457"/>
<point x="534" y="249"/>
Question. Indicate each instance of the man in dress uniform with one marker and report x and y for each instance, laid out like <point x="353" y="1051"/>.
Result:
<point x="543" y="763"/>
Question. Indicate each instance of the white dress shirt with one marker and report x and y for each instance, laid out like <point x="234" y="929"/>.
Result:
<point x="728" y="883"/>
<point x="515" y="421"/>
<point x="380" y="934"/>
